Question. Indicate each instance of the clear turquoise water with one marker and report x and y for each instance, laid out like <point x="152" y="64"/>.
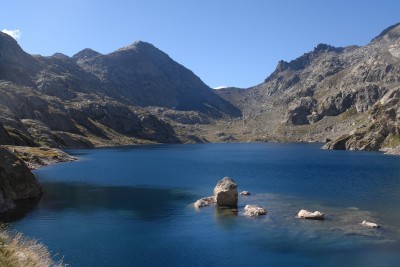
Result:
<point x="132" y="206"/>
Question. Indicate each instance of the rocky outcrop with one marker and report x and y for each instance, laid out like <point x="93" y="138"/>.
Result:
<point x="316" y="215"/>
<point x="16" y="181"/>
<point x="382" y="132"/>
<point x="204" y="202"/>
<point x="370" y="224"/>
<point x="4" y="136"/>
<point x="253" y="210"/>
<point x="35" y="157"/>
<point x="225" y="193"/>
<point x="302" y="111"/>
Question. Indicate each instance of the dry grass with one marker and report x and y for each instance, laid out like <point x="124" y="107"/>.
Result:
<point x="19" y="251"/>
<point x="391" y="141"/>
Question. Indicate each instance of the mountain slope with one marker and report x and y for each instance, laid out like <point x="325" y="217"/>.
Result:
<point x="93" y="99"/>
<point x="142" y="75"/>
<point x="326" y="93"/>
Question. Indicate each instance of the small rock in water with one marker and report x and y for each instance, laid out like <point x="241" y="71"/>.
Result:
<point x="253" y="210"/>
<point x="203" y="202"/>
<point x="370" y="224"/>
<point x="316" y="215"/>
<point x="245" y="193"/>
<point x="225" y="193"/>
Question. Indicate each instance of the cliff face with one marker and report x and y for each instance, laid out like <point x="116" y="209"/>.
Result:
<point x="381" y="133"/>
<point x="16" y="181"/>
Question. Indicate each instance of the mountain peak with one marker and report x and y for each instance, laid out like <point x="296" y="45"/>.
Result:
<point x="85" y="54"/>
<point x="304" y="60"/>
<point x="327" y="48"/>
<point x="390" y="33"/>
<point x="60" y="55"/>
<point x="138" y="45"/>
<point x="15" y="64"/>
<point x="7" y="45"/>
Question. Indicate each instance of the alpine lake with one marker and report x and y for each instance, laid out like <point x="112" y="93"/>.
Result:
<point x="133" y="206"/>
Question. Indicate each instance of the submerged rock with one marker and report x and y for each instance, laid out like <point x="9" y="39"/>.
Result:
<point x="316" y="215"/>
<point x="370" y="224"/>
<point x="245" y="193"/>
<point x="253" y="210"/>
<point x="203" y="202"/>
<point x="225" y="193"/>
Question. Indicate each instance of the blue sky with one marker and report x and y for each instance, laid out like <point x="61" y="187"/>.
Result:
<point x="225" y="42"/>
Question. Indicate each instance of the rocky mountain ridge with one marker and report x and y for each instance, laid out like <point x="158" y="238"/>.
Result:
<point x="329" y="93"/>
<point x="138" y="94"/>
<point x="92" y="99"/>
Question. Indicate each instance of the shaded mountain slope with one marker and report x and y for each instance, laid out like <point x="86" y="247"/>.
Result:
<point x="143" y="75"/>
<point x="93" y="99"/>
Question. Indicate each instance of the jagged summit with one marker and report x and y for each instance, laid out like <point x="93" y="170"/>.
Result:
<point x="390" y="33"/>
<point x="305" y="60"/>
<point x="327" y="48"/>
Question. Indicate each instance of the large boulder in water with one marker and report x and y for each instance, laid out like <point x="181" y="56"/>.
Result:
<point x="225" y="193"/>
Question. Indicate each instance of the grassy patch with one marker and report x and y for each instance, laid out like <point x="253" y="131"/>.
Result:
<point x="351" y="112"/>
<point x="19" y="251"/>
<point x="391" y="141"/>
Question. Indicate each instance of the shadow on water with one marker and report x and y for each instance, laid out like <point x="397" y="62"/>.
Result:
<point x="22" y="208"/>
<point x="139" y="202"/>
<point x="98" y="206"/>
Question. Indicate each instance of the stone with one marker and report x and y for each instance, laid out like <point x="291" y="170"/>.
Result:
<point x="316" y="215"/>
<point x="225" y="193"/>
<point x="245" y="193"/>
<point x="204" y="202"/>
<point x="253" y="210"/>
<point x="16" y="181"/>
<point x="370" y="224"/>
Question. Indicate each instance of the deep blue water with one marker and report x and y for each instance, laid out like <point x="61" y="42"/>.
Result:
<point x="132" y="206"/>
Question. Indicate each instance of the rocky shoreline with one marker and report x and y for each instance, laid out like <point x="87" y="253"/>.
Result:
<point x="17" y="182"/>
<point x="36" y="157"/>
